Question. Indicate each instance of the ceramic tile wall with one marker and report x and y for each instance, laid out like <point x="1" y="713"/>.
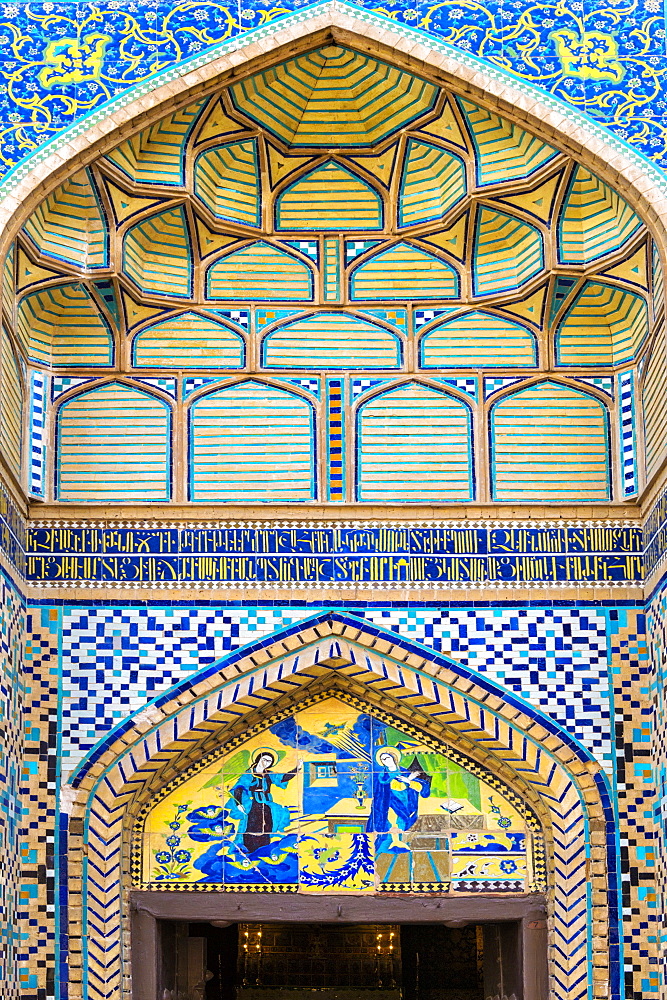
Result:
<point x="12" y="842"/>
<point x="114" y="659"/>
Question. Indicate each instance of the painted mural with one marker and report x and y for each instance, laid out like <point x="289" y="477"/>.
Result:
<point x="332" y="799"/>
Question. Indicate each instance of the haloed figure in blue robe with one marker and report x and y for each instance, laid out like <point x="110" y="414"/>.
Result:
<point x="259" y="819"/>
<point x="396" y="794"/>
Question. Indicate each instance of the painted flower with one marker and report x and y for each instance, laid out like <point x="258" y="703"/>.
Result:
<point x="173" y="841"/>
<point x="163" y="857"/>
<point x="653" y="6"/>
<point x="411" y="14"/>
<point x="508" y="867"/>
<point x="182" y="856"/>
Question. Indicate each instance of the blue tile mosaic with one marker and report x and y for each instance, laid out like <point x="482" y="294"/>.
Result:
<point x="65" y="60"/>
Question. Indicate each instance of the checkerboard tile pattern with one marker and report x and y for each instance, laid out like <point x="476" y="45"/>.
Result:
<point x="117" y="659"/>
<point x="12" y="974"/>
<point x="657" y="635"/>
<point x="636" y="796"/>
<point x="37" y="957"/>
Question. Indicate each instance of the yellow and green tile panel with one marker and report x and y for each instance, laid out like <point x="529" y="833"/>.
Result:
<point x="595" y="221"/>
<point x="479" y="340"/>
<point x="252" y="442"/>
<point x="157" y="155"/>
<point x="414" y="444"/>
<point x="157" y="255"/>
<point x="62" y="325"/>
<point x="232" y="237"/>
<point x="11" y="406"/>
<point x="260" y="272"/>
<point x="604" y="326"/>
<point x="228" y="184"/>
<point x="329" y="197"/>
<point x="404" y="271"/>
<point x="332" y="340"/>
<point x="188" y="340"/>
<point x="550" y="443"/>
<point x="433" y="182"/>
<point x="69" y="225"/>
<point x="113" y="445"/>
<point x="371" y="99"/>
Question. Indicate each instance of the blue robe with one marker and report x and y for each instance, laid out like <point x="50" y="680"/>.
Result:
<point x="402" y="799"/>
<point x="259" y="819"/>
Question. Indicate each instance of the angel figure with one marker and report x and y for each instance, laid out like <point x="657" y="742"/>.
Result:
<point x="396" y="794"/>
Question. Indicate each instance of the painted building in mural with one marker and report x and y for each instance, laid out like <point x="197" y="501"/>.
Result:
<point x="333" y="501"/>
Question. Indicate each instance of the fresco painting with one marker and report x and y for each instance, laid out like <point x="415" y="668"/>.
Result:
<point x="332" y="799"/>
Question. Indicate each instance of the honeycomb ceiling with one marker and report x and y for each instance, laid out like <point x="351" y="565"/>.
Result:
<point x="495" y="249"/>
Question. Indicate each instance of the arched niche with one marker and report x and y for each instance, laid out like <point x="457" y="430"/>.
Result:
<point x="426" y="692"/>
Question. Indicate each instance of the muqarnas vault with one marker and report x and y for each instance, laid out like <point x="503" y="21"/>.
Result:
<point x="332" y="448"/>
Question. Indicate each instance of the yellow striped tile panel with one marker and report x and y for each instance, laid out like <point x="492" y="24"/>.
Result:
<point x="433" y="181"/>
<point x="414" y="444"/>
<point x="157" y="255"/>
<point x="508" y="253"/>
<point x="156" y="155"/>
<point x="251" y="442"/>
<point x="478" y="339"/>
<point x="188" y="341"/>
<point x="62" y="326"/>
<point x="404" y="272"/>
<point x="259" y="271"/>
<point x="69" y="224"/>
<point x="113" y="445"/>
<point x="329" y="197"/>
<point x="653" y="399"/>
<point x="331" y="340"/>
<point x="332" y="276"/>
<point x="549" y="444"/>
<point x="603" y="326"/>
<point x="333" y="95"/>
<point x="503" y="151"/>
<point x="11" y="407"/>
<point x="8" y="282"/>
<point x="594" y="220"/>
<point x="227" y="182"/>
<point x="658" y="283"/>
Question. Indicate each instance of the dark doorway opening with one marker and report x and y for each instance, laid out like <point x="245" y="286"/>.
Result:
<point x="223" y="960"/>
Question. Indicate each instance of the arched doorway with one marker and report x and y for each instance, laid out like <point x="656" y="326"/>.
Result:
<point x="559" y="785"/>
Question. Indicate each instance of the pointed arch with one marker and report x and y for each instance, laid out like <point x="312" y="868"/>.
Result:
<point x="541" y="761"/>
<point x="252" y="441"/>
<point x="332" y="340"/>
<point x="414" y="443"/>
<point x="189" y="340"/>
<point x="549" y="440"/>
<point x="330" y="196"/>
<point x="113" y="443"/>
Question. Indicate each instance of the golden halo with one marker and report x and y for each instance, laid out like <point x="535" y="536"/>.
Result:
<point x="392" y="751"/>
<point x="256" y="754"/>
